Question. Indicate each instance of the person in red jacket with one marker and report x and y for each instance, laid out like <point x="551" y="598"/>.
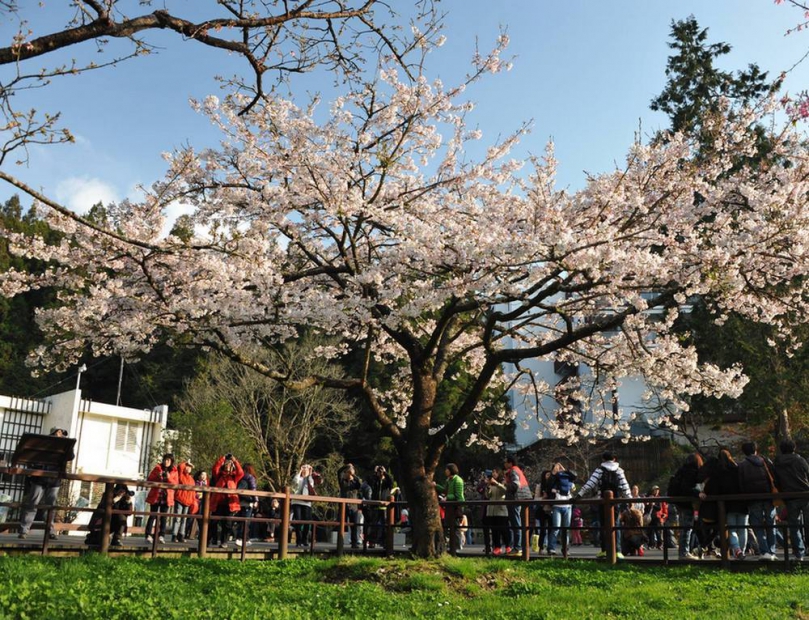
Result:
<point x="226" y="475"/>
<point x="658" y="512"/>
<point x="184" y="501"/>
<point x="161" y="500"/>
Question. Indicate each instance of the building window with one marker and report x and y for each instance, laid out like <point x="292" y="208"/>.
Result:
<point x="126" y="436"/>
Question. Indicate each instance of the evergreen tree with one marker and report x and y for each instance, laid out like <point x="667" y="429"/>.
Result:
<point x="695" y="85"/>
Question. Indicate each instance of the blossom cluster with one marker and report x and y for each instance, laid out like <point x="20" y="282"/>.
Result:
<point x="377" y="228"/>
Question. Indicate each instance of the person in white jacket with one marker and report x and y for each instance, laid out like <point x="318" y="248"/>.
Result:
<point x="303" y="484"/>
<point x="607" y="477"/>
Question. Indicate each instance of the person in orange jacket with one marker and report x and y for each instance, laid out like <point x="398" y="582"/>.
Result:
<point x="226" y="475"/>
<point x="161" y="500"/>
<point x="184" y="501"/>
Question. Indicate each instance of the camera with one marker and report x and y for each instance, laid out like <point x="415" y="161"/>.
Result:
<point x="228" y="457"/>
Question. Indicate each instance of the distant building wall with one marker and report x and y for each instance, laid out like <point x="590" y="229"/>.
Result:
<point x="110" y="440"/>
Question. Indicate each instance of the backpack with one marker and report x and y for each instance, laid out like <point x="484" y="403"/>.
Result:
<point x="564" y="484"/>
<point x="244" y="500"/>
<point x="610" y="481"/>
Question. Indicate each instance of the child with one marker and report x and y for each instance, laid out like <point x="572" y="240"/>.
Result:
<point x="634" y="532"/>
<point x="576" y="524"/>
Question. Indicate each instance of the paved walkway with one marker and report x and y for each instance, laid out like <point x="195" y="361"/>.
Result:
<point x="9" y="542"/>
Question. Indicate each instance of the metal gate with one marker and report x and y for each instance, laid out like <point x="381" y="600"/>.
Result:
<point x="23" y="416"/>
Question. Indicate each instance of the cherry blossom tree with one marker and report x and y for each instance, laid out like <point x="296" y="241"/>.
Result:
<point x="275" y="38"/>
<point x="379" y="227"/>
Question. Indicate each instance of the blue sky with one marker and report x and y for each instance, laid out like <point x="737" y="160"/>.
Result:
<point x="584" y="73"/>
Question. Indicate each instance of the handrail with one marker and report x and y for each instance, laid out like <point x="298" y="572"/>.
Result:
<point x="286" y="498"/>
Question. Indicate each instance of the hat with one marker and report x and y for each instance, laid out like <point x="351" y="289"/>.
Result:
<point x="57" y="429"/>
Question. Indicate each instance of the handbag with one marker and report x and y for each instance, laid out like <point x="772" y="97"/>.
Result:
<point x="778" y="503"/>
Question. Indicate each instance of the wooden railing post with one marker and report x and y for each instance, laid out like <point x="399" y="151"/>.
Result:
<point x="106" y="524"/>
<point x="609" y="528"/>
<point x="204" y="524"/>
<point x="46" y="534"/>
<point x="390" y="513"/>
<point x="245" y="536"/>
<point x="283" y="540"/>
<point x="525" y="510"/>
<point x="341" y="529"/>
<point x="565" y="534"/>
<point x="453" y="528"/>
<point x="724" y="534"/>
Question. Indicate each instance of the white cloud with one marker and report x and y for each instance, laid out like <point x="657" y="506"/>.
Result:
<point x="81" y="193"/>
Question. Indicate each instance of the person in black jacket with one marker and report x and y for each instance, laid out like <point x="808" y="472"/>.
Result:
<point x="755" y="477"/>
<point x="122" y="505"/>
<point x="723" y="479"/>
<point x="351" y="488"/>
<point x="687" y="477"/>
<point x="792" y="475"/>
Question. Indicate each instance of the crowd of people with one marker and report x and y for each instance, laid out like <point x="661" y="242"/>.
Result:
<point x="690" y="524"/>
<point x="647" y="521"/>
<point x="231" y="509"/>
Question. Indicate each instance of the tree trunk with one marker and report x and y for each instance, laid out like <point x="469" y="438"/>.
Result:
<point x="422" y="503"/>
<point x="782" y="431"/>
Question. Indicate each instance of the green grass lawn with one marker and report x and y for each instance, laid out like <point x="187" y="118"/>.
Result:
<point x="98" y="587"/>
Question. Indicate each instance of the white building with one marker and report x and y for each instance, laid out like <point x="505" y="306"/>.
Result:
<point x="627" y="404"/>
<point x="532" y="417"/>
<point x="110" y="440"/>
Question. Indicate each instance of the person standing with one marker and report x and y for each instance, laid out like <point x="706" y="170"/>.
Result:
<point x="351" y="488"/>
<point x="658" y="512"/>
<point x="684" y="484"/>
<point x="792" y="476"/>
<point x="192" y="527"/>
<point x="755" y="477"/>
<point x="722" y="478"/>
<point x="453" y="490"/>
<point x="517" y="488"/>
<point x="542" y="512"/>
<point x="227" y="471"/>
<point x="161" y="500"/>
<point x="382" y="488"/>
<point x="184" y="500"/>
<point x="561" y="488"/>
<point x="636" y="503"/>
<point x="42" y="490"/>
<point x="497" y="514"/>
<point x="607" y="477"/>
<point x="303" y="484"/>
<point x="576" y="525"/>
<point x="247" y="503"/>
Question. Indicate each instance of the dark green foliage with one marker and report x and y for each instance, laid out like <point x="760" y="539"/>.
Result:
<point x="695" y="84"/>
<point x="778" y="381"/>
<point x="18" y="331"/>
<point x="155" y="380"/>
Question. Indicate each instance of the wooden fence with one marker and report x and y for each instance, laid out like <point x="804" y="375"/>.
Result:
<point x="205" y="519"/>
